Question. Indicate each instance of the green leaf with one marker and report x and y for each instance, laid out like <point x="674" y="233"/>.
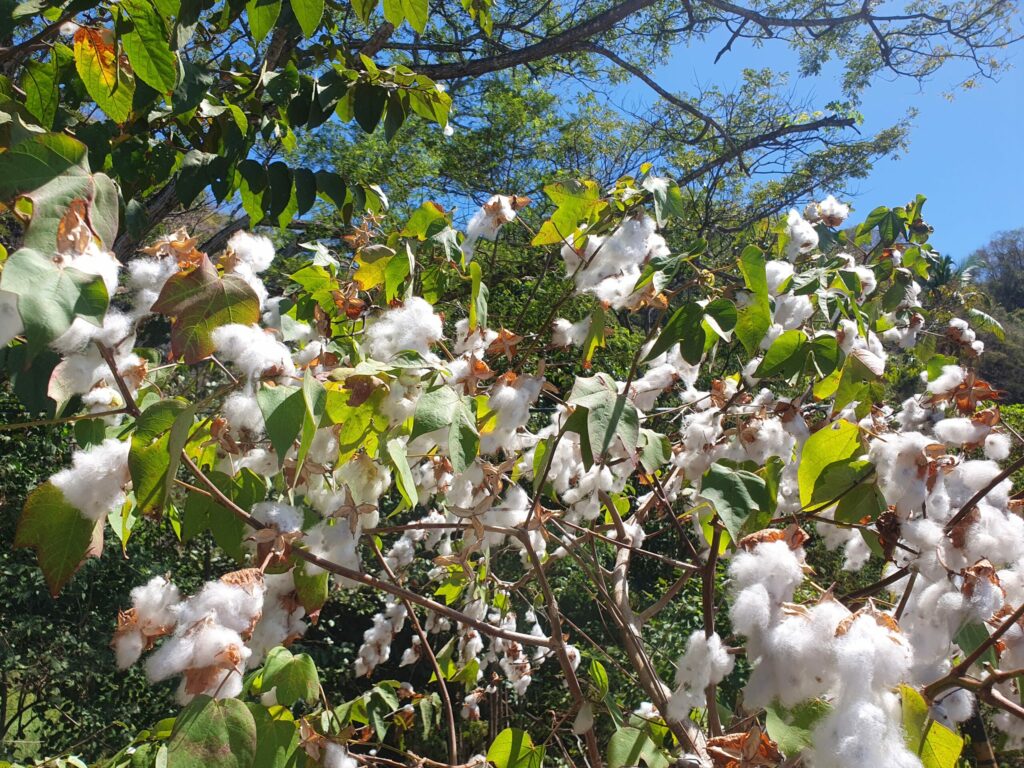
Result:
<point x="308" y="13"/>
<point x="149" y="457"/>
<point x="61" y="537"/>
<point x="416" y="12"/>
<point x="283" y="410"/>
<point x="204" y="513"/>
<point x="756" y="317"/>
<point x="399" y="460"/>
<point x="684" y="328"/>
<point x="791" y="728"/>
<point x="610" y="417"/>
<point x="737" y="496"/>
<point x="147" y="46"/>
<point x="833" y="443"/>
<point x="363" y="9"/>
<point x="201" y="301"/>
<point x="934" y="743"/>
<point x="577" y="202"/>
<point x="38" y="160"/>
<point x="668" y="199"/>
<point x="983" y="321"/>
<point x="295" y="677"/>
<point x="425" y="221"/>
<point x="655" y="449"/>
<point x="368" y="104"/>
<point x="600" y="677"/>
<point x="213" y="732"/>
<point x="40" y="80"/>
<point x="478" y="298"/>
<point x="110" y="85"/>
<point x="971" y="636"/>
<point x="513" y="748"/>
<point x="631" y="747"/>
<point x="785" y="357"/>
<point x="262" y="17"/>
<point x="51" y="297"/>
<point x="277" y="738"/>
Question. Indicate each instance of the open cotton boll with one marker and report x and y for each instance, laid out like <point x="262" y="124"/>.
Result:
<point x="472" y="342"/>
<point x="777" y="272"/>
<point x="244" y="416"/>
<point x="284" y="517"/>
<point x="412" y="326"/>
<point x="128" y="647"/>
<point x="488" y="221"/>
<point x="94" y="261"/>
<point x="802" y="236"/>
<point x="154" y="605"/>
<point x="365" y="478"/>
<point x="871" y="656"/>
<point x="236" y="606"/>
<point x="336" y="544"/>
<point x="952" y="376"/>
<point x="997" y="446"/>
<point x="857" y="734"/>
<point x="831" y="212"/>
<point x="94" y="483"/>
<point x="511" y="402"/>
<point x="336" y="756"/>
<point x="254" y="351"/>
<point x="619" y="255"/>
<point x="961" y="431"/>
<point x="771" y="564"/>
<point x="116" y="328"/>
<point x="566" y="334"/>
<point x="281" y="621"/>
<point x="898" y="460"/>
<point x="146" y="278"/>
<point x="705" y="662"/>
<point x="256" y="251"/>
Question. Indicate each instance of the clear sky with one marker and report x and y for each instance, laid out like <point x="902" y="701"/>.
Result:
<point x="966" y="154"/>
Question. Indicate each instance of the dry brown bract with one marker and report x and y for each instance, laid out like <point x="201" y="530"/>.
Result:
<point x="752" y="749"/>
<point x="793" y="535"/>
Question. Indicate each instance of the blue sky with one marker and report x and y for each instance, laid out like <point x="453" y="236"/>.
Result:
<point x="965" y="154"/>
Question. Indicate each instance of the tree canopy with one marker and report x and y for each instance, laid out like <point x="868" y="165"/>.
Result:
<point x="404" y="402"/>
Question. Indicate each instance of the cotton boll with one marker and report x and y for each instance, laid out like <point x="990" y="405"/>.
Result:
<point x="116" y="328"/>
<point x="336" y="544"/>
<point x="154" y="605"/>
<point x="413" y="326"/>
<point x="146" y="278"/>
<point x="997" y="446"/>
<point x="472" y="342"/>
<point x="771" y="564"/>
<point x="284" y="517"/>
<point x="128" y="647"/>
<point x="336" y="756"/>
<point x="256" y="251"/>
<point x="488" y="221"/>
<point x="792" y="311"/>
<point x="255" y="352"/>
<point x="832" y="212"/>
<point x="244" y="416"/>
<point x="365" y="478"/>
<point x="705" y="662"/>
<point x="511" y="402"/>
<point x="751" y="611"/>
<point x="952" y="376"/>
<point x="899" y="460"/>
<point x="777" y="272"/>
<point x="961" y="431"/>
<point x="871" y="657"/>
<point x="565" y="334"/>
<point x="802" y="236"/>
<point x="94" y="484"/>
<point x="233" y="606"/>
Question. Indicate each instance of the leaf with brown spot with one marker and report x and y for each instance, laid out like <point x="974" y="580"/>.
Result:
<point x="199" y="302"/>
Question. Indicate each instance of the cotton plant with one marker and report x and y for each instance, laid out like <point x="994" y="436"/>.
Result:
<point x="370" y="436"/>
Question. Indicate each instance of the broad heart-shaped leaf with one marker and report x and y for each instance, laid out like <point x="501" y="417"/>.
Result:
<point x="40" y="80"/>
<point x="791" y="729"/>
<point x="51" y="297"/>
<point x="737" y="496"/>
<point x="834" y="442"/>
<point x="277" y="738"/>
<point x="934" y="743"/>
<point x="147" y="46"/>
<point x="38" y="160"/>
<point x="513" y="748"/>
<point x="308" y="13"/>
<point x="444" y="407"/>
<point x="200" y="301"/>
<point x="577" y="202"/>
<point x="283" y="409"/>
<point x="295" y="677"/>
<point x="203" y="513"/>
<point x="262" y="17"/>
<point x="212" y="732"/>
<point x="631" y="747"/>
<point x="611" y="418"/>
<point x="425" y="221"/>
<point x="61" y="537"/>
<point x="109" y="83"/>
<point x="786" y="356"/>
<point x="311" y="589"/>
<point x="149" y="457"/>
<point x="685" y="328"/>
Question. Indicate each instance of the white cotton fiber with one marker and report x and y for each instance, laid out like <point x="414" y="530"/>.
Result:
<point x="412" y="326"/>
<point x="94" y="483"/>
<point x="254" y="351"/>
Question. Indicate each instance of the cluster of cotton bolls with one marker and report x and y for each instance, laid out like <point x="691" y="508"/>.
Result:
<point x="829" y="212"/>
<point x="609" y="267"/>
<point x="964" y="335"/>
<point x="205" y="634"/>
<point x="376" y="647"/>
<point x="412" y="326"/>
